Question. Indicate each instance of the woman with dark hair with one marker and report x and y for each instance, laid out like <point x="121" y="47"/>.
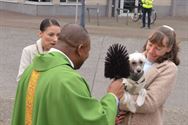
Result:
<point x="161" y="50"/>
<point x="49" y="32"/>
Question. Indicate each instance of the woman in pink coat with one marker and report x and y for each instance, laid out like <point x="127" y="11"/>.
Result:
<point x="161" y="50"/>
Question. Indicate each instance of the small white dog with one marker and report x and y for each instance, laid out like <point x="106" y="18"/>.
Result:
<point x="134" y="85"/>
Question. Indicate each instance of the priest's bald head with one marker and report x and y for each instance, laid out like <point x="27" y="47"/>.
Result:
<point x="74" y="41"/>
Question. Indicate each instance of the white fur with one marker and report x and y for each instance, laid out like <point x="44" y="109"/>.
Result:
<point x="137" y="56"/>
<point x="136" y="61"/>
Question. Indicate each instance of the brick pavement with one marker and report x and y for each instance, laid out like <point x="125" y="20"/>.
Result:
<point x="18" y="30"/>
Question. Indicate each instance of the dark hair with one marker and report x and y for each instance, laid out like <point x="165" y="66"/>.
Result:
<point x="48" y="22"/>
<point x="73" y="35"/>
<point x="158" y="36"/>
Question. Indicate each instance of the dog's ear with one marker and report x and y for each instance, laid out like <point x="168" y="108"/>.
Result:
<point x="117" y="62"/>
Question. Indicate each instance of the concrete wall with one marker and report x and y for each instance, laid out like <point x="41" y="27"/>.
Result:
<point x="162" y="2"/>
<point x="171" y="7"/>
<point x="33" y="9"/>
<point x="164" y="10"/>
<point x="163" y="7"/>
<point x="181" y="8"/>
<point x="47" y="9"/>
<point x="94" y="2"/>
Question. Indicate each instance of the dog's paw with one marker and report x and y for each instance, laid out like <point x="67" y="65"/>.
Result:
<point x="141" y="97"/>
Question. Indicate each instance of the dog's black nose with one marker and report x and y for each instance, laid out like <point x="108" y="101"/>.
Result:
<point x="139" y="70"/>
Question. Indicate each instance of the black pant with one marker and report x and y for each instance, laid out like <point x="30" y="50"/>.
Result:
<point x="148" y="11"/>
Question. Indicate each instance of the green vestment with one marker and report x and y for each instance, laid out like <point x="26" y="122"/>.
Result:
<point x="61" y="96"/>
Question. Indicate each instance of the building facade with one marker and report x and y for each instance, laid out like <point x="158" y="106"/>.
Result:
<point x="106" y="7"/>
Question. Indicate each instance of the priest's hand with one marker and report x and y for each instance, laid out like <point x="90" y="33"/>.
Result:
<point x="117" y="88"/>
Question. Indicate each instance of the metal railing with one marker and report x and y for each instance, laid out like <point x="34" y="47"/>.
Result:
<point x="93" y="9"/>
<point x="119" y="10"/>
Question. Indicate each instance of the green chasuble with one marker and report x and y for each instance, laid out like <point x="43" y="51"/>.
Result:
<point x="51" y="92"/>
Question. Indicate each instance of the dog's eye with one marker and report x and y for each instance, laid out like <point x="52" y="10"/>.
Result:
<point x="133" y="63"/>
<point x="141" y="62"/>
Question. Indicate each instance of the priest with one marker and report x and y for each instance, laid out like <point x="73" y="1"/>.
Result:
<point x="52" y="92"/>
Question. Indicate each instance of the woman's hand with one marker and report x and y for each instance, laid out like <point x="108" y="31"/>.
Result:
<point x="120" y="117"/>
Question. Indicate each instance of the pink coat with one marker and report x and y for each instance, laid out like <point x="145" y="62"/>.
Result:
<point x="160" y="80"/>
